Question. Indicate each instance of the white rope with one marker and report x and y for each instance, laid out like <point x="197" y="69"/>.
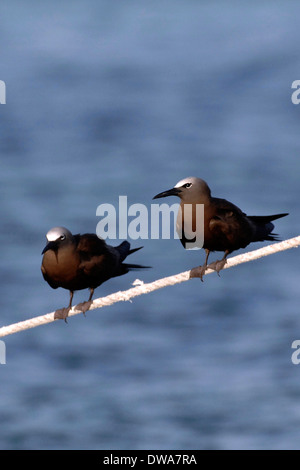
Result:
<point x="142" y="288"/>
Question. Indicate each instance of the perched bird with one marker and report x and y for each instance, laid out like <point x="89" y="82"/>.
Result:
<point x="77" y="262"/>
<point x="225" y="227"/>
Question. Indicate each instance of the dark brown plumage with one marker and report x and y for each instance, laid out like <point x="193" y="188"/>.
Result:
<point x="226" y="228"/>
<point x="77" y="262"/>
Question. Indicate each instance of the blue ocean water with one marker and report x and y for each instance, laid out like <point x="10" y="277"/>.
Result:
<point x="126" y="98"/>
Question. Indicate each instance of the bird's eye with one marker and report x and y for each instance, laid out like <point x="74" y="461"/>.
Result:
<point x="187" y="185"/>
<point x="62" y="237"/>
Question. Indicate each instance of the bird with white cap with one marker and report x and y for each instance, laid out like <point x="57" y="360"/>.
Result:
<point x="76" y="262"/>
<point x="224" y="227"/>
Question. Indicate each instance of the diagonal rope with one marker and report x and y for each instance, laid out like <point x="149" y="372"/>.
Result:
<point x="142" y="288"/>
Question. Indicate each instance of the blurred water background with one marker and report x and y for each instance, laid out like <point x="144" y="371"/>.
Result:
<point x="126" y="98"/>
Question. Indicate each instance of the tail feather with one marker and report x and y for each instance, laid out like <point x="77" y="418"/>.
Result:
<point x="134" y="250"/>
<point x="125" y="268"/>
<point x="273" y="237"/>
<point x="134" y="267"/>
<point x="263" y="227"/>
<point x="124" y="250"/>
<point x="264" y="219"/>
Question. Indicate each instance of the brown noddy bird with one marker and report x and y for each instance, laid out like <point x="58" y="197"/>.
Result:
<point x="226" y="228"/>
<point x="77" y="262"/>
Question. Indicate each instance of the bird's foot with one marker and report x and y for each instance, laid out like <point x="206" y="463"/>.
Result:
<point x="199" y="271"/>
<point x="62" y="314"/>
<point x="217" y="265"/>
<point x="84" y="306"/>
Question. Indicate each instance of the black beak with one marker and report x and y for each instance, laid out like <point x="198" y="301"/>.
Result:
<point x="50" y="246"/>
<point x="170" y="192"/>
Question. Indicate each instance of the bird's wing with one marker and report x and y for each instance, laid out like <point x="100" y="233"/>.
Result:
<point x="89" y="245"/>
<point x="98" y="260"/>
<point x="225" y="209"/>
<point x="229" y="225"/>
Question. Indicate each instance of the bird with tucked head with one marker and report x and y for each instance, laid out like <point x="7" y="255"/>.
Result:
<point x="76" y="262"/>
